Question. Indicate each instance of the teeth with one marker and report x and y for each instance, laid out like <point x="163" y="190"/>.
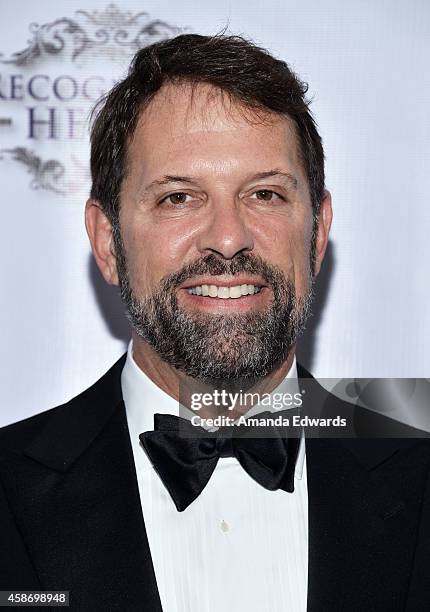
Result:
<point x="235" y="292"/>
<point x="224" y="292"/>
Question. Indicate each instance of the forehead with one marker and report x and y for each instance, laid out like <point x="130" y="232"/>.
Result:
<point x="202" y="128"/>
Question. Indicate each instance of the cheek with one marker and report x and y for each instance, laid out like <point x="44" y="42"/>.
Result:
<point x="289" y="249"/>
<point x="154" y="253"/>
<point x="302" y="260"/>
<point x="288" y="244"/>
<point x="297" y="261"/>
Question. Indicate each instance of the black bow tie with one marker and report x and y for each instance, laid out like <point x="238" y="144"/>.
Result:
<point x="185" y="456"/>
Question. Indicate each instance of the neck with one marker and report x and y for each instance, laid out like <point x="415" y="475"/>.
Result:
<point x="161" y="373"/>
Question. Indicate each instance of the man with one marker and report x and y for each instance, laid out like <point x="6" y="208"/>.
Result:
<point x="208" y="209"/>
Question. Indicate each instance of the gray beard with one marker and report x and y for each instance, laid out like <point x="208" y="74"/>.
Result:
<point x="231" y="349"/>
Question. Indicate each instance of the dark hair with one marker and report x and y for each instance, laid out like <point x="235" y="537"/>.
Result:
<point x="247" y="73"/>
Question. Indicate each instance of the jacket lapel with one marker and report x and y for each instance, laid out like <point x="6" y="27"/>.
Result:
<point x="75" y="498"/>
<point x="419" y="590"/>
<point x="363" y="524"/>
<point x="364" y="499"/>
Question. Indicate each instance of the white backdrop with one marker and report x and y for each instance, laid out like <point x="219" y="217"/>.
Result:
<point x="367" y="65"/>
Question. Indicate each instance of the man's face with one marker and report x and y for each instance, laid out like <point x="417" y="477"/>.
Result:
<point x="216" y="227"/>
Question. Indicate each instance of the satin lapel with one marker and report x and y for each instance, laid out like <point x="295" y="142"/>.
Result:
<point x="419" y="590"/>
<point x="362" y="526"/>
<point x="75" y="498"/>
<point x="365" y="498"/>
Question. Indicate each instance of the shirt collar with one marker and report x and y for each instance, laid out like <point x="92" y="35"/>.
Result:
<point x="143" y="398"/>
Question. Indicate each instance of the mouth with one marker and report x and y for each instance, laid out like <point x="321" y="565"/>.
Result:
<point x="224" y="293"/>
<point x="238" y="293"/>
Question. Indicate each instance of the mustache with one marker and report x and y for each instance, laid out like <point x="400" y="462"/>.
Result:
<point x="214" y="265"/>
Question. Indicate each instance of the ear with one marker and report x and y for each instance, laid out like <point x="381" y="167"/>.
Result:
<point x="99" y="230"/>
<point x="325" y="216"/>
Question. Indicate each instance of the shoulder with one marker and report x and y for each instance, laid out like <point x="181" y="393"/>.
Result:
<point x="107" y="389"/>
<point x="374" y="408"/>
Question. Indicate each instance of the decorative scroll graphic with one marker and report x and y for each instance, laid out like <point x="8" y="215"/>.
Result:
<point x="50" y="103"/>
<point x="46" y="174"/>
<point x="111" y="32"/>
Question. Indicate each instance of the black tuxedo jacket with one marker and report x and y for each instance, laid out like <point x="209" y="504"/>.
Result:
<point x="71" y="519"/>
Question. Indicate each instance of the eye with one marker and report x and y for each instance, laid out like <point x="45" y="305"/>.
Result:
<point x="176" y="199"/>
<point x="267" y="195"/>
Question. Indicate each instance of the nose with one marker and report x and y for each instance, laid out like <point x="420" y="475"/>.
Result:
<point x="226" y="233"/>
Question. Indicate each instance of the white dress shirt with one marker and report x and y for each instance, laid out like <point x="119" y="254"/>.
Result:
<point x="238" y="546"/>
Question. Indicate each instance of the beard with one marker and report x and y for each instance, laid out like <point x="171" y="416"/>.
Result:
<point x="227" y="349"/>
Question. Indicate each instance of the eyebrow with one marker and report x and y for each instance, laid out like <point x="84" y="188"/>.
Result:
<point x="170" y="178"/>
<point x="288" y="178"/>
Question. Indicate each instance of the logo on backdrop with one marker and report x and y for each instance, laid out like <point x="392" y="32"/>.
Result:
<point x="48" y="89"/>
